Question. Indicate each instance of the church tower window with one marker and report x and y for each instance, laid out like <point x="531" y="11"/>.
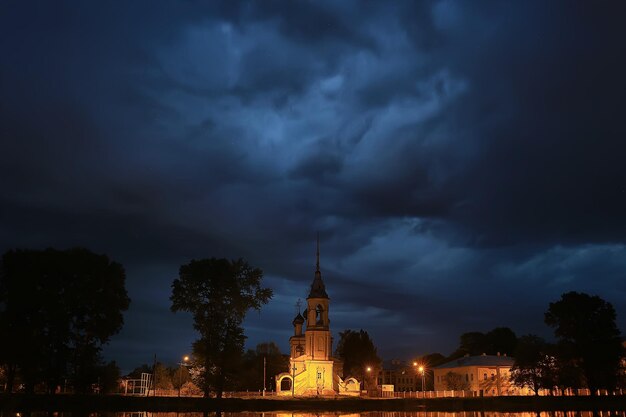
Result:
<point x="319" y="318"/>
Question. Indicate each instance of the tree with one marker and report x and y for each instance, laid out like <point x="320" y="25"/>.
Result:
<point x="142" y="369"/>
<point x="454" y="381"/>
<point x="472" y="343"/>
<point x="109" y="378"/>
<point x="499" y="340"/>
<point x="428" y="362"/>
<point x="57" y="308"/>
<point x="218" y="293"/>
<point x="179" y="376"/>
<point x="251" y="375"/>
<point x="358" y="352"/>
<point x="588" y="337"/>
<point x="162" y="377"/>
<point x="535" y="367"/>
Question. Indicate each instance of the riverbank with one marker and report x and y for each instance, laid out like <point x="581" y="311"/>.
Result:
<point x="112" y="403"/>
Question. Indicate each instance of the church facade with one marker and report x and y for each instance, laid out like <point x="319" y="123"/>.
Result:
<point x="313" y="370"/>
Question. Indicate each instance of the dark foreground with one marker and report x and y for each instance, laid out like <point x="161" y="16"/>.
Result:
<point x="78" y="403"/>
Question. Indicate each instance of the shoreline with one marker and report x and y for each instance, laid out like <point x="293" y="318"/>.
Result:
<point x="113" y="403"/>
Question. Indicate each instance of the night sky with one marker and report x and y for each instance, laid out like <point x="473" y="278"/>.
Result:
<point x="463" y="162"/>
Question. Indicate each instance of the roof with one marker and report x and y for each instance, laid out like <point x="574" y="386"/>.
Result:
<point x="298" y="320"/>
<point x="318" y="289"/>
<point x="482" y="360"/>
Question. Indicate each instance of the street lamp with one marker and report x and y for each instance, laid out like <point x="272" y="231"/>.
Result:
<point x="293" y="380"/>
<point x="264" y="372"/>
<point x="368" y="369"/>
<point x="421" y="369"/>
<point x="185" y="362"/>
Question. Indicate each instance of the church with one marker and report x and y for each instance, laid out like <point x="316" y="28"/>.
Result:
<point x="313" y="370"/>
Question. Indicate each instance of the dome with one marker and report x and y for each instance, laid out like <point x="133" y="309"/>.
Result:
<point x="298" y="320"/>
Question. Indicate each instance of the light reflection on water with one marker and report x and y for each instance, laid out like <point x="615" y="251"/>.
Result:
<point x="331" y="414"/>
<point x="373" y="414"/>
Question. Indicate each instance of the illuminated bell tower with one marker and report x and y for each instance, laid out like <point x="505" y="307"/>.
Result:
<point x="312" y="369"/>
<point x="318" y="341"/>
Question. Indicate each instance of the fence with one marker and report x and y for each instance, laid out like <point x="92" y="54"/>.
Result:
<point x="174" y="393"/>
<point x="469" y="394"/>
<point x="390" y="394"/>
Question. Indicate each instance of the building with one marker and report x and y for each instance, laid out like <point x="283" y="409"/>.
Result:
<point x="401" y="374"/>
<point x="314" y="372"/>
<point x="487" y="375"/>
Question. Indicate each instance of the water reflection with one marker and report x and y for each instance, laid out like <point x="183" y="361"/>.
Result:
<point x="330" y="414"/>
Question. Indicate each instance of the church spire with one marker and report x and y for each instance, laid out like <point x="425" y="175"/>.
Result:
<point x="317" y="263"/>
<point x="318" y="289"/>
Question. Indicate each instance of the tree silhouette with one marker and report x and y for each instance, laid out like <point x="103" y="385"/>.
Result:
<point x="455" y="381"/>
<point x="251" y="375"/>
<point x="535" y="365"/>
<point x="588" y="337"/>
<point x="218" y="293"/>
<point x="57" y="308"/>
<point x="358" y="352"/>
<point x="499" y="340"/>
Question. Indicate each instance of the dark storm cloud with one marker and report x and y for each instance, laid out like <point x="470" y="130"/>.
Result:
<point x="454" y="156"/>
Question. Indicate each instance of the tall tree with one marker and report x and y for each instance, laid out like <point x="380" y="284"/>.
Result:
<point x="57" y="308"/>
<point x="588" y="337"/>
<point x="501" y="340"/>
<point x="535" y="366"/>
<point x="218" y="293"/>
<point x="358" y="352"/>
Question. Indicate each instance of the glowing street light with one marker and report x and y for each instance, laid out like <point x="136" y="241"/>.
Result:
<point x="421" y="370"/>
<point x="368" y="369"/>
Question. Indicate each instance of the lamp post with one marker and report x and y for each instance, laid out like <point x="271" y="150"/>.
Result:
<point x="180" y="372"/>
<point x="293" y="380"/>
<point x="264" y="373"/>
<point x="368" y="369"/>
<point x="421" y="369"/>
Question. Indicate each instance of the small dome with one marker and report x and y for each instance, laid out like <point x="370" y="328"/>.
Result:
<point x="298" y="320"/>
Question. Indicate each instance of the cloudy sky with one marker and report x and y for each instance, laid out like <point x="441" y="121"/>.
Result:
<point x="463" y="162"/>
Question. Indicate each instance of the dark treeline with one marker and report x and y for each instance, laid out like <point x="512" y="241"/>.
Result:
<point x="57" y="309"/>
